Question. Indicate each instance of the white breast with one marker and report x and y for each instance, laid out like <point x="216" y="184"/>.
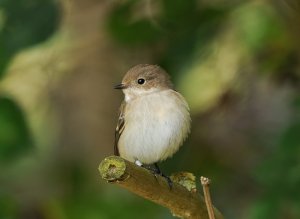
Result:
<point x="156" y="125"/>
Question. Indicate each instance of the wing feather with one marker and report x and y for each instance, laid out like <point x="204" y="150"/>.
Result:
<point x="119" y="129"/>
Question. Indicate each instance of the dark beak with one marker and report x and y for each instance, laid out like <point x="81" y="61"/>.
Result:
<point x="120" y="86"/>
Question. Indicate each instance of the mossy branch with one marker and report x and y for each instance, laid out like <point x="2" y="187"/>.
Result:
<point x="183" y="200"/>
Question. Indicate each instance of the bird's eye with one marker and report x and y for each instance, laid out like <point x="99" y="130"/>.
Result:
<point x="141" y="81"/>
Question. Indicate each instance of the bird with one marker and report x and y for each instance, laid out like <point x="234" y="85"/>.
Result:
<point x="154" y="119"/>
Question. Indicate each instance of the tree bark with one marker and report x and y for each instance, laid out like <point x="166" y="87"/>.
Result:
<point x="182" y="199"/>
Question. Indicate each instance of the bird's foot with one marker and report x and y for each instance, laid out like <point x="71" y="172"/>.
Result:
<point x="138" y="163"/>
<point x="169" y="181"/>
<point x="155" y="171"/>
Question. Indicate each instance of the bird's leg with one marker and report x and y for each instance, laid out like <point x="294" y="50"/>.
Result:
<point x="156" y="171"/>
<point x="138" y="163"/>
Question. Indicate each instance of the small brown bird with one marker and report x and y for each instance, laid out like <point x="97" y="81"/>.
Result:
<point x="154" y="119"/>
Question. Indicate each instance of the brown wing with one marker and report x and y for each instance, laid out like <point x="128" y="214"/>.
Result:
<point x="119" y="129"/>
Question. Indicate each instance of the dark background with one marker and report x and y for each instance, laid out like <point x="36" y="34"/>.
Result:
<point x="236" y="62"/>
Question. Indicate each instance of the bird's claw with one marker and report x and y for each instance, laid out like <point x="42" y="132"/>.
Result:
<point x="156" y="172"/>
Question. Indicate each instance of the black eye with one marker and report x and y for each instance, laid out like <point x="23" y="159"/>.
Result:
<point x="141" y="81"/>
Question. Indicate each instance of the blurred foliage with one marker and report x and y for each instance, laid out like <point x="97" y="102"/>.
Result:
<point x="179" y="25"/>
<point x="127" y="32"/>
<point x="14" y="135"/>
<point x="24" y="23"/>
<point x="237" y="63"/>
<point x="279" y="176"/>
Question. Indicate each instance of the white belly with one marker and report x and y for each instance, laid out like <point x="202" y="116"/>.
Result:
<point x="155" y="127"/>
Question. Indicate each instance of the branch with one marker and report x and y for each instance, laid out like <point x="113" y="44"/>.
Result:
<point x="205" y="184"/>
<point x="183" y="202"/>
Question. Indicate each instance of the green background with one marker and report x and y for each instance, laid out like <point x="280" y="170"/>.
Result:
<point x="237" y="63"/>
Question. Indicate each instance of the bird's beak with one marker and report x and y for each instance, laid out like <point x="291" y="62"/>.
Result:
<point x="120" y="86"/>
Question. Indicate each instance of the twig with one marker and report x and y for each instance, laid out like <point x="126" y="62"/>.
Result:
<point x="205" y="183"/>
<point x="181" y="202"/>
